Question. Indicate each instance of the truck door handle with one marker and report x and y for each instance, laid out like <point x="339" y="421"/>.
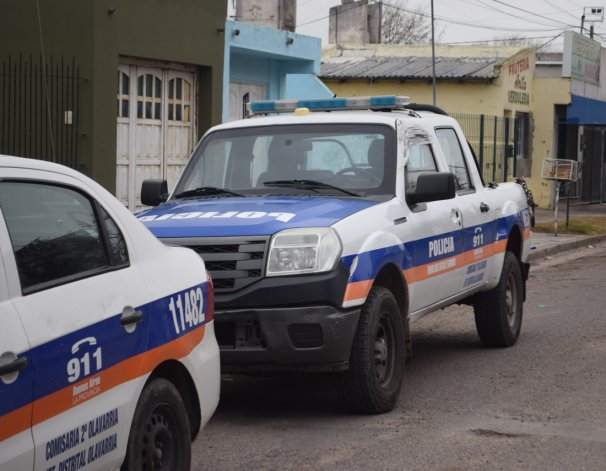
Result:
<point x="455" y="216"/>
<point x="14" y="366"/>
<point x="484" y="207"/>
<point x="133" y="317"/>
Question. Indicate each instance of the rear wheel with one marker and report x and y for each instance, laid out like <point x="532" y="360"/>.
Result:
<point x="498" y="312"/>
<point x="374" y="379"/>
<point x="159" y="437"/>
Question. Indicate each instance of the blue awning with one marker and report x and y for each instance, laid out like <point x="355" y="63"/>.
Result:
<point x="586" y="111"/>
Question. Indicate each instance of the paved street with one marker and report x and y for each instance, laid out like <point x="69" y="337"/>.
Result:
<point x="539" y="405"/>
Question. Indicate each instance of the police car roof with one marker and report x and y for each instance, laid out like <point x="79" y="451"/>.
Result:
<point x="8" y="161"/>
<point x="388" y="118"/>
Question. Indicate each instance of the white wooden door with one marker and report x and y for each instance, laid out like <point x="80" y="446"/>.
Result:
<point x="155" y="127"/>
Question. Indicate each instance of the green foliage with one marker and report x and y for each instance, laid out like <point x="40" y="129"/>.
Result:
<point x="585" y="225"/>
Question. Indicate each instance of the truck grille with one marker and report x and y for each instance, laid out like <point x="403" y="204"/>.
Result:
<point x="233" y="262"/>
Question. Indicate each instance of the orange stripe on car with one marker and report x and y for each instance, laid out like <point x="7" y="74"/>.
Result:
<point x="127" y="370"/>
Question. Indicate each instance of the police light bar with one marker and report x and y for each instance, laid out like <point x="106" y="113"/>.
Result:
<point x="329" y="104"/>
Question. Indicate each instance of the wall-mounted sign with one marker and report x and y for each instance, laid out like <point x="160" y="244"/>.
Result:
<point x="517" y="80"/>
<point x="581" y="58"/>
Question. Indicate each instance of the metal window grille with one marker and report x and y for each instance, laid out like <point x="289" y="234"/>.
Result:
<point x="39" y="108"/>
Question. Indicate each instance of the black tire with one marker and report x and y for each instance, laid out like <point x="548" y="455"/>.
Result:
<point x="159" y="437"/>
<point x="373" y="381"/>
<point x="498" y="312"/>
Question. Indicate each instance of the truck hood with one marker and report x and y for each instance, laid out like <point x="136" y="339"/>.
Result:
<point x="246" y="216"/>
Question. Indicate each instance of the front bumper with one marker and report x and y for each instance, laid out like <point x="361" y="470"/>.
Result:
<point x="309" y="338"/>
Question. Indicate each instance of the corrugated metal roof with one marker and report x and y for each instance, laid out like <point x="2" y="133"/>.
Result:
<point x="412" y="67"/>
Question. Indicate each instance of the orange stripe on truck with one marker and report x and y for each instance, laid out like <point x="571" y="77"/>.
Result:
<point x="360" y="289"/>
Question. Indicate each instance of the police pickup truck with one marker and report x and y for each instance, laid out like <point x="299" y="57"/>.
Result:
<point x="329" y="226"/>
<point x="108" y="357"/>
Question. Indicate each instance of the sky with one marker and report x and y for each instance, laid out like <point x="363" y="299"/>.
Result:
<point x="469" y="21"/>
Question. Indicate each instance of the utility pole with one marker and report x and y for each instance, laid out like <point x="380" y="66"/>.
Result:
<point x="433" y="58"/>
<point x="591" y="15"/>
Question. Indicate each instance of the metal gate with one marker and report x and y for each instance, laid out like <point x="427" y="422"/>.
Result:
<point x="39" y="108"/>
<point x="593" y="171"/>
<point x="501" y="144"/>
<point x="155" y="127"/>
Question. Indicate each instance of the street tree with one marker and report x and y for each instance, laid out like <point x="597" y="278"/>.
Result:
<point x="517" y="40"/>
<point x="401" y="24"/>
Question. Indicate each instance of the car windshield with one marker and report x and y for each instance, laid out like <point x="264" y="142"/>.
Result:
<point x="346" y="160"/>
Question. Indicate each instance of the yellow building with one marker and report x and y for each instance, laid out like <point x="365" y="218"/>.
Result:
<point x="494" y="92"/>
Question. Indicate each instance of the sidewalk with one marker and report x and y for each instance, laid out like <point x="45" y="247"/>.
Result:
<point x="543" y="244"/>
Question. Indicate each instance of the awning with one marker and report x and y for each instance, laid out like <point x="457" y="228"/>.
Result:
<point x="586" y="111"/>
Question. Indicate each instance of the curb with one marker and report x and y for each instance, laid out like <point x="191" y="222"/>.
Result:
<point x="572" y="245"/>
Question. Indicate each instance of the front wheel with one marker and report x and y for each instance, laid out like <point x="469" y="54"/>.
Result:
<point x="373" y="381"/>
<point x="498" y="312"/>
<point x="159" y="437"/>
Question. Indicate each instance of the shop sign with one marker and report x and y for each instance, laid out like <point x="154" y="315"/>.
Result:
<point x="581" y="58"/>
<point x="518" y="74"/>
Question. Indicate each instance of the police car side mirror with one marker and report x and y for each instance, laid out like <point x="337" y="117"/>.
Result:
<point x="434" y="186"/>
<point x="154" y="192"/>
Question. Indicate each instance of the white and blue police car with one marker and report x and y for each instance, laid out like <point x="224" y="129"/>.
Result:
<point x="108" y="357"/>
<point x="330" y="225"/>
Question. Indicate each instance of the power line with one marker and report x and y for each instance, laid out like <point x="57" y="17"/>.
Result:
<point x="518" y="17"/>
<point x="353" y="5"/>
<point x="531" y="13"/>
<point x="485" y="41"/>
<point x="553" y="5"/>
<point x="472" y="25"/>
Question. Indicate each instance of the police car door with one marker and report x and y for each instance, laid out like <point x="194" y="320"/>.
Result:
<point x="16" y="444"/>
<point x="78" y="307"/>
<point x="475" y="208"/>
<point x="436" y="230"/>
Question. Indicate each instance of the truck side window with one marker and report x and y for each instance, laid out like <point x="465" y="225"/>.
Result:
<point x="420" y="160"/>
<point x="449" y="142"/>
<point x="56" y="235"/>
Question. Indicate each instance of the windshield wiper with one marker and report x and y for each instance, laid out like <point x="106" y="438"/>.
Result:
<point x="207" y="191"/>
<point x="309" y="185"/>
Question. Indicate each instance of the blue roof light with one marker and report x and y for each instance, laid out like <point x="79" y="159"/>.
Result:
<point x="329" y="104"/>
<point x="323" y="103"/>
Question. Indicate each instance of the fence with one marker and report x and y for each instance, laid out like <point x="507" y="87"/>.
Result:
<point x="39" y="109"/>
<point x="492" y="139"/>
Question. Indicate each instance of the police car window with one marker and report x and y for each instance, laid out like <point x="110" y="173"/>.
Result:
<point x="54" y="233"/>
<point x="420" y="160"/>
<point x="451" y="147"/>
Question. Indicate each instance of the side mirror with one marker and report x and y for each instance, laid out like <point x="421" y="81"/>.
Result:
<point x="434" y="186"/>
<point x="154" y="192"/>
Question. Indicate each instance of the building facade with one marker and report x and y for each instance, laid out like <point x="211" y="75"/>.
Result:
<point x="120" y="91"/>
<point x="517" y="107"/>
<point x="267" y="63"/>
<point x="489" y="89"/>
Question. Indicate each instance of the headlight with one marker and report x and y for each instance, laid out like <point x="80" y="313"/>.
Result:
<point x="296" y="251"/>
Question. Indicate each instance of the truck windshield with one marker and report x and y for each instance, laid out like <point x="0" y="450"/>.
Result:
<point x="357" y="158"/>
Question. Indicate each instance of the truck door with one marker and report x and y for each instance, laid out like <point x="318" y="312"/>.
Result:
<point x="477" y="213"/>
<point x="73" y="264"/>
<point x="16" y="389"/>
<point x="437" y="239"/>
